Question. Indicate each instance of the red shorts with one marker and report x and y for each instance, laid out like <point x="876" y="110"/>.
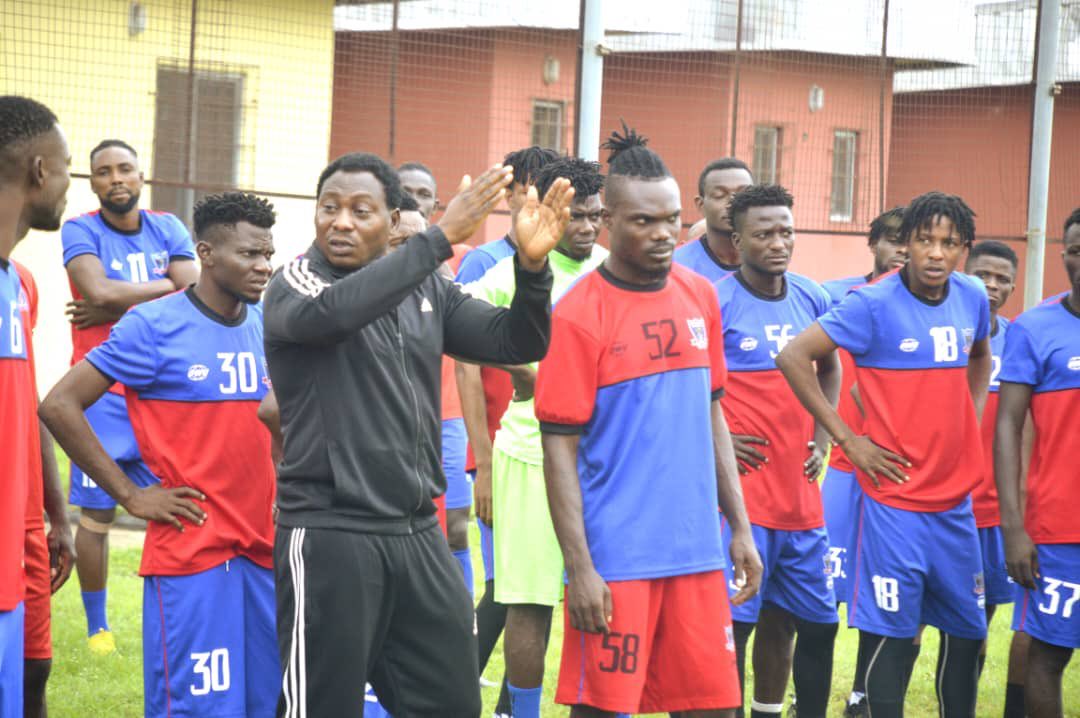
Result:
<point x="440" y="512"/>
<point x="37" y="640"/>
<point x="670" y="648"/>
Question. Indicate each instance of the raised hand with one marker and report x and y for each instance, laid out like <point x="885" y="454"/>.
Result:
<point x="539" y="226"/>
<point x="474" y="202"/>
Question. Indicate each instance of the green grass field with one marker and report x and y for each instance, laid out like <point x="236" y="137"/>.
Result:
<point x="83" y="685"/>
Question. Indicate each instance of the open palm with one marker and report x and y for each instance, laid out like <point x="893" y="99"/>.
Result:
<point x="540" y="225"/>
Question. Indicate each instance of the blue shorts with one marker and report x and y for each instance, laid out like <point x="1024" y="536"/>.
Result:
<point x="1051" y="613"/>
<point x="913" y="568"/>
<point x="840" y="497"/>
<point x="458" y="487"/>
<point x="796" y="576"/>
<point x="210" y="643"/>
<point x="109" y="418"/>
<point x="487" y="550"/>
<point x="11" y="661"/>
<point x="1000" y="589"/>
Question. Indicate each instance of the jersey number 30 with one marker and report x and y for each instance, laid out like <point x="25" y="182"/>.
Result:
<point x="241" y="374"/>
<point x="212" y="669"/>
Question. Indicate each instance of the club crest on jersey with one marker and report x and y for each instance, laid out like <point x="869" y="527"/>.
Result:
<point x="729" y="639"/>
<point x="1074" y="364"/>
<point x="198" y="372"/>
<point x="969" y="339"/>
<point x="748" y="344"/>
<point x="161" y="263"/>
<point x="980" y="590"/>
<point x="909" y="345"/>
<point x="699" y="337"/>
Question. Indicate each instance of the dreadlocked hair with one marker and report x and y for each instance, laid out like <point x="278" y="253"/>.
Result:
<point x="1073" y="218"/>
<point x="630" y="157"/>
<point x="757" y="195"/>
<point x="229" y="208"/>
<point x="925" y="208"/>
<point x="584" y="176"/>
<point x="880" y="224"/>
<point x="528" y="162"/>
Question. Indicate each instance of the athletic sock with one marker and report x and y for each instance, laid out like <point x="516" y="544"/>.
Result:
<point x="812" y="666"/>
<point x="982" y="663"/>
<point x="490" y="619"/>
<point x="464" y="557"/>
<point x="94" y="603"/>
<point x="525" y="702"/>
<point x="885" y="685"/>
<point x="957" y="681"/>
<point x="909" y="666"/>
<point x="858" y="685"/>
<point x="742" y="632"/>
<point x="502" y="706"/>
<point x="765" y="710"/>
<point x="1014" y="700"/>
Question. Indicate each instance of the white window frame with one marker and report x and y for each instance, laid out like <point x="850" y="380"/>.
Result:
<point x="537" y="132"/>
<point x="843" y="175"/>
<point x="766" y="163"/>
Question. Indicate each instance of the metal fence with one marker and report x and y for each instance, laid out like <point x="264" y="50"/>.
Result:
<point x="855" y="105"/>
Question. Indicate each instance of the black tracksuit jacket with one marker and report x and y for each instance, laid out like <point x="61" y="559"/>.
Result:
<point x="355" y="360"/>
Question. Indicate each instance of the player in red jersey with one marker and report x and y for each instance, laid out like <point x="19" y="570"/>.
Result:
<point x="637" y="455"/>
<point x="1040" y="373"/>
<point x="34" y="178"/>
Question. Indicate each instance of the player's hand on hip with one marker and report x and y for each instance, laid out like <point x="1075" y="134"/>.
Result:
<point x="167" y="506"/>
<point x="539" y="225"/>
<point x="588" y="602"/>
<point x="474" y="202"/>
<point x="746" y="565"/>
<point x="876" y="462"/>
<point x="748" y="457"/>
<point x="814" y="463"/>
<point x="1021" y="558"/>
<point x="482" y="494"/>
<point x="61" y="555"/>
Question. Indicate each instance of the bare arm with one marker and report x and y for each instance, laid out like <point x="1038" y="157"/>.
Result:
<point x="744" y="556"/>
<point x="61" y="545"/>
<point x="112" y="295"/>
<point x="829" y="375"/>
<point x="474" y="412"/>
<point x="588" y="598"/>
<point x="183" y="272"/>
<point x="63" y="412"/>
<point x="980" y="364"/>
<point x="1021" y="559"/>
<point x="796" y="361"/>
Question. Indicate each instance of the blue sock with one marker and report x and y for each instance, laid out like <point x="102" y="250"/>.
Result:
<point x="464" y="557"/>
<point x="94" y="603"/>
<point x="525" y="702"/>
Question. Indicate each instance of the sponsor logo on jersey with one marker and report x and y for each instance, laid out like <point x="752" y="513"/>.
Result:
<point x="748" y="344"/>
<point x="117" y="265"/>
<point x="909" y="345"/>
<point x="1074" y="363"/>
<point x="618" y="349"/>
<point x="198" y="372"/>
<point x="699" y="337"/>
<point x="425" y="306"/>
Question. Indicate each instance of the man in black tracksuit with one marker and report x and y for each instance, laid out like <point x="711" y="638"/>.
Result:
<point x="366" y="586"/>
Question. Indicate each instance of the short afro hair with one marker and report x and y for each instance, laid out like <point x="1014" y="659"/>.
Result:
<point x="926" y="207"/>
<point x="528" y="162"/>
<point x="105" y="144"/>
<point x="230" y="208"/>
<point x="724" y="163"/>
<point x="880" y="224"/>
<point x="366" y="162"/>
<point x="419" y="167"/>
<point x="1072" y="219"/>
<point x="994" y="248"/>
<point x="757" y="195"/>
<point x="21" y="120"/>
<point x="584" y="176"/>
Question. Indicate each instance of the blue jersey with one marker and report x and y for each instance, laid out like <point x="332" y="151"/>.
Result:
<point x="139" y="256"/>
<point x="633" y="370"/>
<point x="759" y="401"/>
<point x="984" y="499"/>
<point x="476" y="263"/>
<point x="839" y="288"/>
<point x="697" y="256"/>
<point x="1042" y="350"/>
<point x="194" y="381"/>
<point x="911" y="357"/>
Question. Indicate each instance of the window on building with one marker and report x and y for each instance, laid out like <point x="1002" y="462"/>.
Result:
<point x="842" y="201"/>
<point x="766" y="163"/>
<point x="206" y="138"/>
<point x="547" y="124"/>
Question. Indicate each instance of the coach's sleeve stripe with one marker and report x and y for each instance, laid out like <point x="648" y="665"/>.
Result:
<point x="302" y="279"/>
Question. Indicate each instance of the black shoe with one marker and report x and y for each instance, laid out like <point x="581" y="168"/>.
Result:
<point x="858" y="708"/>
<point x="793" y="710"/>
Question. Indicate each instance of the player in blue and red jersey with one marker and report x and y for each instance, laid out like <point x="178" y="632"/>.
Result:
<point x="193" y="368"/>
<point x="1040" y="373"/>
<point x="116" y="257"/>
<point x="920" y="340"/>
<point x="713" y="254"/>
<point x="485" y="392"/>
<point x="764" y="306"/>
<point x="839" y="490"/>
<point x="34" y="179"/>
<point x="637" y="455"/>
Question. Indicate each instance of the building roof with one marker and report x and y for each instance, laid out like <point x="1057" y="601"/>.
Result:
<point x="1004" y="49"/>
